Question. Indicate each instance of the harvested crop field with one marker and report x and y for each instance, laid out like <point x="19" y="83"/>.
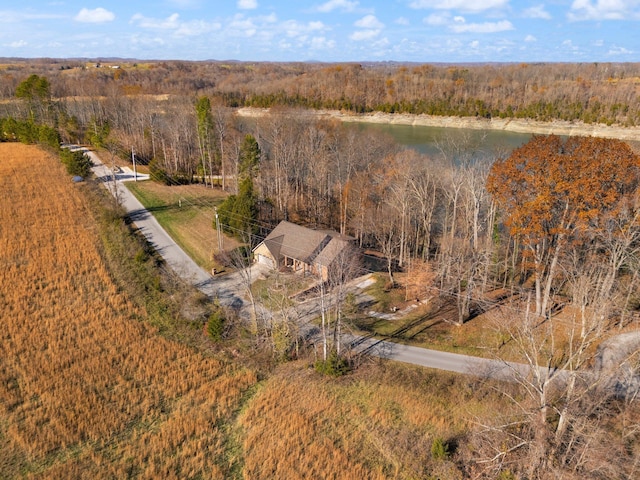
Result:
<point x="87" y="390"/>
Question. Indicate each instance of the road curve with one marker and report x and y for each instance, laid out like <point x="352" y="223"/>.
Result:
<point x="226" y="289"/>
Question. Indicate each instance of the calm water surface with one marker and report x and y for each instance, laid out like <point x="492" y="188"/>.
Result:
<point x="424" y="139"/>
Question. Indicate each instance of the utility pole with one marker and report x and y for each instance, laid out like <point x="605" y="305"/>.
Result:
<point x="133" y="159"/>
<point x="219" y="231"/>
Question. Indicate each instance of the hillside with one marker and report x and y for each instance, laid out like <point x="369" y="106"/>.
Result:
<point x="89" y="389"/>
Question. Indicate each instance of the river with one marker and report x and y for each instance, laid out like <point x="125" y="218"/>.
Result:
<point x="421" y="132"/>
<point x="424" y="139"/>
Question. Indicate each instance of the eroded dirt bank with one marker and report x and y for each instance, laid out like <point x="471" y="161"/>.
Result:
<point x="511" y="125"/>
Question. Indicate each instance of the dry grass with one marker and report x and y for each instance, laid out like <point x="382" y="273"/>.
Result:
<point x="86" y="389"/>
<point x="89" y="390"/>
<point x="376" y="423"/>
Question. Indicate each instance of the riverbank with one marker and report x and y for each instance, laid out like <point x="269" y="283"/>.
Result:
<point x="517" y="125"/>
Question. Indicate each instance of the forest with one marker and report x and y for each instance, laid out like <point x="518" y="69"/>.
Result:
<point x="547" y="236"/>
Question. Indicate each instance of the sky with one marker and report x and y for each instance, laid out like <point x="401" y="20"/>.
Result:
<point x="424" y="31"/>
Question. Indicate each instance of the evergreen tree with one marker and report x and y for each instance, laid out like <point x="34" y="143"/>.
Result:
<point x="239" y="212"/>
<point x="36" y="91"/>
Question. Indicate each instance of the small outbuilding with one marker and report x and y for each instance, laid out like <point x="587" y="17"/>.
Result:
<point x="303" y="249"/>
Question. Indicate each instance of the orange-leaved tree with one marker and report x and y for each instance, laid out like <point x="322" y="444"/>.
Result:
<point x="553" y="192"/>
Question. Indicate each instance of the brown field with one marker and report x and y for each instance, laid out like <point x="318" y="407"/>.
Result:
<point x="89" y="390"/>
<point x="376" y="423"/>
<point x="86" y="389"/>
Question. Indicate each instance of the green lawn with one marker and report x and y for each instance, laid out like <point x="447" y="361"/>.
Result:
<point x="186" y="212"/>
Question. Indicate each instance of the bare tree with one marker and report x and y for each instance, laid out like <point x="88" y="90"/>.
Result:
<point x="345" y="266"/>
<point x="558" y="426"/>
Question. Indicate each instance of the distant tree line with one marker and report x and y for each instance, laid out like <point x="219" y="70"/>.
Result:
<point x="552" y="226"/>
<point x="588" y="92"/>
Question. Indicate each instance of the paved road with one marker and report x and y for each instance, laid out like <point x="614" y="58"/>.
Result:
<point x="452" y="362"/>
<point x="227" y="288"/>
<point x="230" y="288"/>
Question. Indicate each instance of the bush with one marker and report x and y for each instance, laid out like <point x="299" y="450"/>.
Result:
<point x="439" y="449"/>
<point x="215" y="326"/>
<point x="48" y="136"/>
<point x="334" y="365"/>
<point x="77" y="163"/>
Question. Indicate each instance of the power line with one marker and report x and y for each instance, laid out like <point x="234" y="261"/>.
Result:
<point x="219" y="226"/>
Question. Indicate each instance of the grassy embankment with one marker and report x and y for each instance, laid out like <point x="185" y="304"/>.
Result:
<point x="186" y="212"/>
<point x="89" y="389"/>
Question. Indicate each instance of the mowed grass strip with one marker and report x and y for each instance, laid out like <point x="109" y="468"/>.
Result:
<point x="187" y="213"/>
<point x="87" y="390"/>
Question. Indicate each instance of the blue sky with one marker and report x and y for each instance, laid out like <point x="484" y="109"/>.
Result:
<point x="325" y="30"/>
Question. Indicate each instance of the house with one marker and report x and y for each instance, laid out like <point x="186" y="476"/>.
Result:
<point x="302" y="249"/>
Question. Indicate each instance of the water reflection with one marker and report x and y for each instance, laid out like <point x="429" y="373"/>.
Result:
<point x="426" y="139"/>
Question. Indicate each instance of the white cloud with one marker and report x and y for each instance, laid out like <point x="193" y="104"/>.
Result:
<point x="570" y="46"/>
<point x="321" y="43"/>
<point x="603" y="10"/>
<point x="401" y="21"/>
<point x="196" y="28"/>
<point x="530" y="38"/>
<point x="369" y="21"/>
<point x="331" y="5"/>
<point x="371" y="25"/>
<point x="487" y="27"/>
<point x="458" y="24"/>
<point x="464" y="5"/>
<point x="537" y="11"/>
<point x="18" y="44"/>
<point x="147" y="42"/>
<point x="293" y="28"/>
<point x="247" y="4"/>
<point x="271" y="18"/>
<point x="185" y="3"/>
<point x="8" y="16"/>
<point x="173" y="23"/>
<point x="619" y="51"/>
<point x="475" y="44"/>
<point x="97" y="15"/>
<point x="364" y="35"/>
<point x="241" y="27"/>
<point x="438" y="19"/>
<point x="169" y="23"/>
